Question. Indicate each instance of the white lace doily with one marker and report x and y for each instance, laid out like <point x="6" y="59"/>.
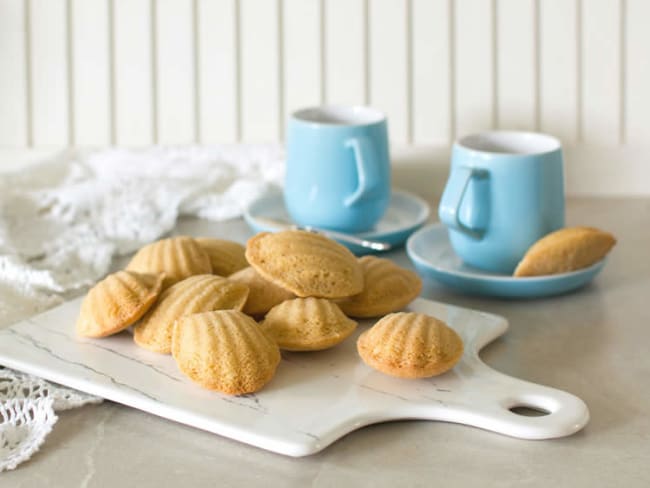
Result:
<point x="27" y="406"/>
<point x="63" y="220"/>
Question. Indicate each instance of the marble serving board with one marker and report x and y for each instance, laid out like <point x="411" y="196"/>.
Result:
<point x="314" y="399"/>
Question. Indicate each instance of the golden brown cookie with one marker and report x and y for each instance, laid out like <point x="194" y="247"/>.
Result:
<point x="117" y="302"/>
<point x="306" y="263"/>
<point x="177" y="257"/>
<point x="225" y="256"/>
<point x="565" y="250"/>
<point x="263" y="295"/>
<point x="410" y="345"/>
<point x="387" y="288"/>
<point x="307" y="324"/>
<point x="224" y="351"/>
<point x="196" y="294"/>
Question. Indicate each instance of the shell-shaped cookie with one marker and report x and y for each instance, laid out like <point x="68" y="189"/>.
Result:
<point x="307" y="324"/>
<point x="201" y="293"/>
<point x="226" y="257"/>
<point x="306" y="263"/>
<point x="565" y="250"/>
<point x="178" y="257"/>
<point x="263" y="295"/>
<point x="224" y="351"/>
<point x="117" y="302"/>
<point x="410" y="345"/>
<point x="387" y="288"/>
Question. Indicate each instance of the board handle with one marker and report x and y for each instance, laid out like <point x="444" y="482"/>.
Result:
<point x="560" y="413"/>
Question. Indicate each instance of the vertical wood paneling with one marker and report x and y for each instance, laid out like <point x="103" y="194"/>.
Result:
<point x="13" y="87"/>
<point x="558" y="68"/>
<point x="389" y="67"/>
<point x="175" y="71"/>
<point x="474" y="61"/>
<point x="431" y="71"/>
<point x="260" y="69"/>
<point x="516" y="64"/>
<point x="91" y="72"/>
<point x="134" y="108"/>
<point x="217" y="83"/>
<point x="637" y="77"/>
<point x="345" y="56"/>
<point x="49" y="72"/>
<point x="302" y="54"/>
<point x="137" y="72"/>
<point x="600" y="73"/>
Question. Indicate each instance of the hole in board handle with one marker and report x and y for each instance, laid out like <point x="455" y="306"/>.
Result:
<point x="528" y="411"/>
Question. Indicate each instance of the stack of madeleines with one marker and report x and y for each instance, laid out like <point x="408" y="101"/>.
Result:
<point x="224" y="311"/>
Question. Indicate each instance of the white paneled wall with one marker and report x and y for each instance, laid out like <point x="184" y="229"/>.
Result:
<point x="559" y="68"/>
<point x="432" y="95"/>
<point x="90" y="80"/>
<point x="134" y="83"/>
<point x="217" y="67"/>
<point x="51" y="120"/>
<point x="474" y="74"/>
<point x="302" y="58"/>
<point x="517" y="59"/>
<point x="15" y="93"/>
<point x="137" y="72"/>
<point x="636" y="72"/>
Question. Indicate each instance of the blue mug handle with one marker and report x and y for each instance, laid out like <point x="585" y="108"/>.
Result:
<point x="367" y="168"/>
<point x="452" y="199"/>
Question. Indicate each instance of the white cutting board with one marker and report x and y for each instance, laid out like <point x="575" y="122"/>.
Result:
<point x="314" y="399"/>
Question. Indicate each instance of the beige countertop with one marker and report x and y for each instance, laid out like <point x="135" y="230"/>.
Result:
<point x="593" y="343"/>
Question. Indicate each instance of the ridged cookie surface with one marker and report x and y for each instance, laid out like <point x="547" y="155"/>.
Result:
<point x="263" y="295"/>
<point x="410" y="345"/>
<point x="224" y="351"/>
<point x="178" y="257"/>
<point x="387" y="288"/>
<point x="226" y="257"/>
<point x="306" y="263"/>
<point x="307" y="324"/>
<point x="117" y="302"/>
<point x="201" y="293"/>
<point x="565" y="250"/>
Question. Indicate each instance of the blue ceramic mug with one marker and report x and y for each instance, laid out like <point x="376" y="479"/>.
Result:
<point x="338" y="167"/>
<point x="505" y="191"/>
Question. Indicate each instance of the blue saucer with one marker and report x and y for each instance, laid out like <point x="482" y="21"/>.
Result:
<point x="406" y="213"/>
<point x="432" y="254"/>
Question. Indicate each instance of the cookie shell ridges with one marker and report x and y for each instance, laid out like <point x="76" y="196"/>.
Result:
<point x="224" y="351"/>
<point x="201" y="293"/>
